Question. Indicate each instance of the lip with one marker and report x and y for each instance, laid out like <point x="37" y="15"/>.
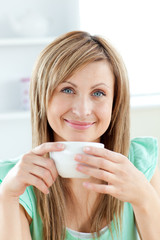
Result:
<point x="79" y="125"/>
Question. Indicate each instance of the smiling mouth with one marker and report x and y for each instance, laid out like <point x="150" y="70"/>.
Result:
<point x="79" y="125"/>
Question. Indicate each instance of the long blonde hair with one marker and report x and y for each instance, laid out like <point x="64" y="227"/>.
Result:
<point x="58" y="61"/>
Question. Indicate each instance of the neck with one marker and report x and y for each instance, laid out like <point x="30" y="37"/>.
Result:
<point x="81" y="199"/>
<point x="80" y="206"/>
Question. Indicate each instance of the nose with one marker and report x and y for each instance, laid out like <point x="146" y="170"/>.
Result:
<point x="82" y="107"/>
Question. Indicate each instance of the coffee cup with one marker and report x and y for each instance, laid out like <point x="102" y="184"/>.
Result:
<point x="64" y="160"/>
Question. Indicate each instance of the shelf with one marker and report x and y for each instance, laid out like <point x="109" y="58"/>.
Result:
<point x="19" y="115"/>
<point x="25" y="41"/>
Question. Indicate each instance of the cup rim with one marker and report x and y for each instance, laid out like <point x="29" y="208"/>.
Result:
<point x="78" y="142"/>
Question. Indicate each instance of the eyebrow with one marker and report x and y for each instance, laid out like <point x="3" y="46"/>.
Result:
<point x="96" y="85"/>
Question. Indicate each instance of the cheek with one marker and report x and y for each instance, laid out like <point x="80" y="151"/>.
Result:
<point x="104" y="112"/>
<point x="56" y="109"/>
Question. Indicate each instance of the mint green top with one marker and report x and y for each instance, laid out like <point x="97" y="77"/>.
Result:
<point x="143" y="154"/>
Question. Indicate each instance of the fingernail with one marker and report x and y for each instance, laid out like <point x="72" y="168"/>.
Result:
<point x="79" y="167"/>
<point x="86" y="184"/>
<point x="78" y="157"/>
<point x="60" y="145"/>
<point x="87" y="149"/>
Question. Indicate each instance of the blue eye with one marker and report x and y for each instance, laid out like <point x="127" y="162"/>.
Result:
<point x="67" y="90"/>
<point x="99" y="94"/>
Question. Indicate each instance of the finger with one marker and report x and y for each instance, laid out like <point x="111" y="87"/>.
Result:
<point x="38" y="183"/>
<point x="101" y="188"/>
<point x="97" y="173"/>
<point x="47" y="147"/>
<point x="97" y="162"/>
<point x="42" y="173"/>
<point x="104" y="153"/>
<point x="47" y="163"/>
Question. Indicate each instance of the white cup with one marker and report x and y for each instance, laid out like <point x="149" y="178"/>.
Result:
<point x="64" y="160"/>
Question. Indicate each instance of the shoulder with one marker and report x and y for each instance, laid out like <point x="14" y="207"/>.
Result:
<point x="143" y="153"/>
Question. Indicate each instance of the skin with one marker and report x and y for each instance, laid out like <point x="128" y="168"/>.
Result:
<point x="111" y="167"/>
<point x="91" y="105"/>
<point x="33" y="169"/>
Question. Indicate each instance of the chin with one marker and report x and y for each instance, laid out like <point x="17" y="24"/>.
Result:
<point x="81" y="139"/>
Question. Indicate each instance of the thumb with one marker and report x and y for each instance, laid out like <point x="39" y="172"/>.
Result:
<point x="47" y="147"/>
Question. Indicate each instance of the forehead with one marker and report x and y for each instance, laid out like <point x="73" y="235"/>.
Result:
<point x="93" y="72"/>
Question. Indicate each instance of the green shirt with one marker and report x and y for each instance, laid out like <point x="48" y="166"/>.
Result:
<point x="143" y="154"/>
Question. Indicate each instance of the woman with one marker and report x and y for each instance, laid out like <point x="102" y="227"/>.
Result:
<point x="80" y="92"/>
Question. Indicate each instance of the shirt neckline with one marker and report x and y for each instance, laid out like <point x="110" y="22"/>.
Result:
<point x="83" y="235"/>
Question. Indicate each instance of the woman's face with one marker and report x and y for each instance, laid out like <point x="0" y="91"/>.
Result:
<point x="80" y="108"/>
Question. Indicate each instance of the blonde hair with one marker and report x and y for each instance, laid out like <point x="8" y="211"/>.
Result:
<point x="58" y="61"/>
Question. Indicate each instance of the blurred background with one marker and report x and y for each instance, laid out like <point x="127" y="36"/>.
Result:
<point x="26" y="27"/>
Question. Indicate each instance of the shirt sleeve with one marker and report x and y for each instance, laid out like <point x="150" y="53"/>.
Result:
<point x="144" y="155"/>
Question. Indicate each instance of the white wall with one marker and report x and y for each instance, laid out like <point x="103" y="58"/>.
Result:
<point x="19" y="28"/>
<point x="20" y="18"/>
<point x="15" y="137"/>
<point x="132" y="27"/>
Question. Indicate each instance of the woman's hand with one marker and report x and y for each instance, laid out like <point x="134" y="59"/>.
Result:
<point x="33" y="169"/>
<point x="123" y="180"/>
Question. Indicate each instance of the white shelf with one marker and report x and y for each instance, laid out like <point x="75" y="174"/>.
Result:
<point x="19" y="115"/>
<point x="24" y="41"/>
